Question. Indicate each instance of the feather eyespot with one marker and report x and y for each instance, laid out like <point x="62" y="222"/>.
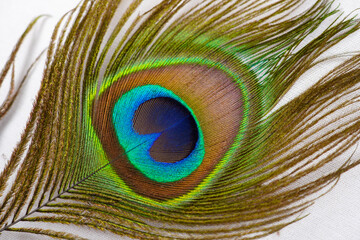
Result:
<point x="157" y="136"/>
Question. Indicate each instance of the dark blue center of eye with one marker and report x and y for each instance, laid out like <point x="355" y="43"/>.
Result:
<point x="177" y="128"/>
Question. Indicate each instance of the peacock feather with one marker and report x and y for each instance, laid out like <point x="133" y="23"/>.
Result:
<point x="166" y="123"/>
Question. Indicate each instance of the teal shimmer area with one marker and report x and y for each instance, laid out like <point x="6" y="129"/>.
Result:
<point x="137" y="146"/>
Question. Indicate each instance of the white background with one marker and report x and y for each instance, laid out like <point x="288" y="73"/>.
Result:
<point x="335" y="216"/>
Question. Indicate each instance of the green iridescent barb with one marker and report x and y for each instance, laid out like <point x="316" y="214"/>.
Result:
<point x="163" y="125"/>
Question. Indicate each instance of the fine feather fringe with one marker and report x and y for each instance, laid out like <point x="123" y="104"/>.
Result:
<point x="286" y="156"/>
